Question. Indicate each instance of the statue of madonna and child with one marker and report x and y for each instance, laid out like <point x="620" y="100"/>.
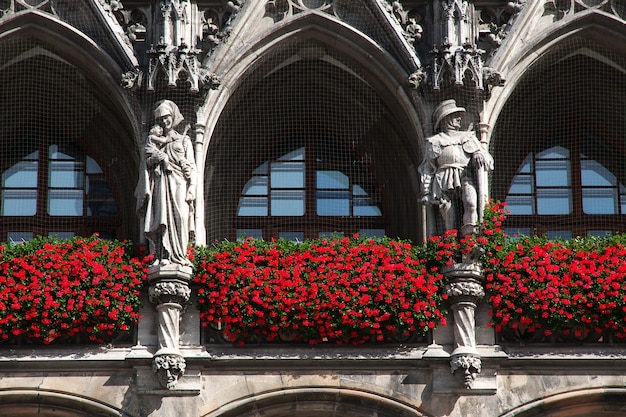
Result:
<point x="166" y="191"/>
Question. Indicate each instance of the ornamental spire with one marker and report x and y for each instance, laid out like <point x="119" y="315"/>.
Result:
<point x="176" y="39"/>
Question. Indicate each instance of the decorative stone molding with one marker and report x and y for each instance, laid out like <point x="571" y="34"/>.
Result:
<point x="177" y="38"/>
<point x="169" y="292"/>
<point x="169" y="368"/>
<point x="280" y="9"/>
<point x="492" y="78"/>
<point x="178" y="63"/>
<point x="452" y="64"/>
<point x="409" y="20"/>
<point x="132" y="79"/>
<point x="562" y="8"/>
<point x="20" y="5"/>
<point x="457" y="58"/>
<point x="495" y="23"/>
<point x="470" y="365"/>
<point x="418" y="79"/>
<point x="464" y="289"/>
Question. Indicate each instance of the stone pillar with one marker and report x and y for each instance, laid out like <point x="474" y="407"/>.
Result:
<point x="200" y="233"/>
<point x="464" y="289"/>
<point x="169" y="291"/>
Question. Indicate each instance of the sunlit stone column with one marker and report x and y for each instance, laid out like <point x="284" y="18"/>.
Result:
<point x="464" y="289"/>
<point x="169" y="291"/>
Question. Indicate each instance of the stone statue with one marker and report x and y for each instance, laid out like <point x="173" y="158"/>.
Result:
<point x="167" y="187"/>
<point x="452" y="170"/>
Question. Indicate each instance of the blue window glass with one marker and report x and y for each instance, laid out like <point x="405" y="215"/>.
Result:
<point x="287" y="175"/>
<point x="293" y="236"/>
<point x="242" y="234"/>
<point x="16" y="238"/>
<point x="544" y="186"/>
<point x="372" y="232"/>
<point x="298" y="184"/>
<point x="19" y="187"/>
<point x="287" y="202"/>
<point x="57" y="180"/>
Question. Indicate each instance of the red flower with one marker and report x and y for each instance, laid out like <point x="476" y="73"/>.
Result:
<point x="54" y="286"/>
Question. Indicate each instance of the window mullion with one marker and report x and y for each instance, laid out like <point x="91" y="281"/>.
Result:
<point x="577" y="193"/>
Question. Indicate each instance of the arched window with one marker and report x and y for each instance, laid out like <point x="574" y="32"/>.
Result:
<point x="306" y="191"/>
<point x="311" y="143"/>
<point x="50" y="186"/>
<point x="561" y="192"/>
<point x="559" y="144"/>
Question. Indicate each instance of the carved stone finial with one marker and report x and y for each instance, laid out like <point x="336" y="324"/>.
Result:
<point x="492" y="77"/>
<point x="132" y="79"/>
<point x="417" y="79"/>
<point x="408" y="20"/>
<point x="168" y="368"/>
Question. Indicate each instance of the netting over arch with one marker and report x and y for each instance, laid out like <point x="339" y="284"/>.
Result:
<point x="307" y="147"/>
<point x="559" y="144"/>
<point x="69" y="163"/>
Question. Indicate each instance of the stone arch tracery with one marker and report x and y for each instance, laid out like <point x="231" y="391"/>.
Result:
<point x="600" y="402"/>
<point x="522" y="53"/>
<point x="568" y="88"/>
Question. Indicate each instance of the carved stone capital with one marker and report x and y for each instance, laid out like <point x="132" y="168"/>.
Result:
<point x="464" y="283"/>
<point x="169" y="368"/>
<point x="163" y="292"/>
<point x="465" y="288"/>
<point x="471" y="366"/>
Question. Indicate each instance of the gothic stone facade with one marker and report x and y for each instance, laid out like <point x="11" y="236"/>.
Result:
<point x="246" y="72"/>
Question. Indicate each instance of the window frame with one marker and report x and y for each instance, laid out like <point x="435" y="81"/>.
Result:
<point x="42" y="223"/>
<point x="577" y="221"/>
<point x="311" y="224"/>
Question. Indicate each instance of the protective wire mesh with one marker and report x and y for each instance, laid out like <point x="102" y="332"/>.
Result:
<point x="305" y="148"/>
<point x="67" y="160"/>
<point x="559" y="144"/>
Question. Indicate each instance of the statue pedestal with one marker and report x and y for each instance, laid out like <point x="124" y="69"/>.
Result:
<point x="464" y="289"/>
<point x="169" y="291"/>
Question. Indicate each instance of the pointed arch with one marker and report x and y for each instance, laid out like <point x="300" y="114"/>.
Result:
<point x="389" y="76"/>
<point x="520" y="55"/>
<point x="312" y="402"/>
<point x="600" y="402"/>
<point x="568" y="96"/>
<point x="64" y="88"/>
<point x="74" y="46"/>
<point x="336" y="50"/>
<point x="26" y="402"/>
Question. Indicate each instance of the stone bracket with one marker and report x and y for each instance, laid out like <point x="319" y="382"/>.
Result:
<point x="445" y="381"/>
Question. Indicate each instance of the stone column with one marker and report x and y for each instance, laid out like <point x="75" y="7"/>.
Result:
<point x="200" y="233"/>
<point x="464" y="289"/>
<point x="169" y="291"/>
